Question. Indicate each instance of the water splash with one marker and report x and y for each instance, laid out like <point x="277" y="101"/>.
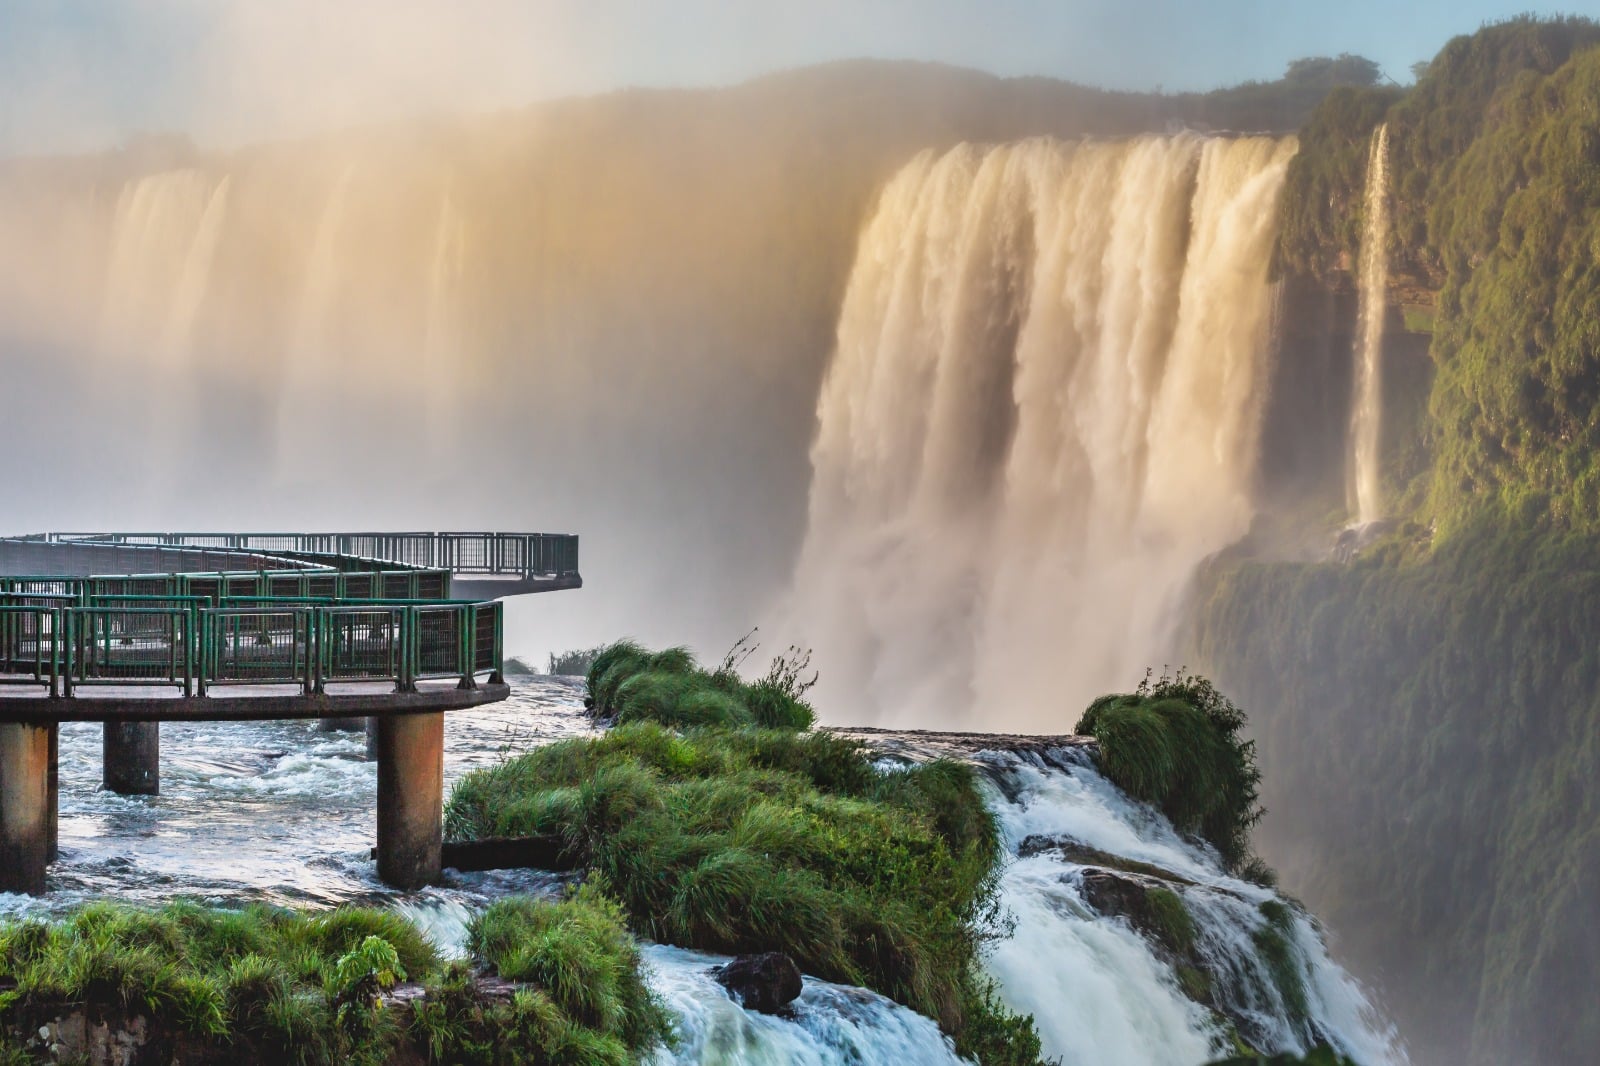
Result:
<point x="1366" y="413"/>
<point x="1042" y="412"/>
<point x="829" y="1025"/>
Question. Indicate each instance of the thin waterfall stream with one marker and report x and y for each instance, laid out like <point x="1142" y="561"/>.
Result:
<point x="1366" y="410"/>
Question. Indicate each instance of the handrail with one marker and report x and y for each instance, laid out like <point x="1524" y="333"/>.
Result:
<point x="195" y="647"/>
<point x="525" y="555"/>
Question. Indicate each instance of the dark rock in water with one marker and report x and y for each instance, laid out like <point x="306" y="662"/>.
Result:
<point x="763" y="982"/>
<point x="1075" y="851"/>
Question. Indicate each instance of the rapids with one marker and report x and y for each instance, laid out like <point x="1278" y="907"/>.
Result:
<point x="282" y="813"/>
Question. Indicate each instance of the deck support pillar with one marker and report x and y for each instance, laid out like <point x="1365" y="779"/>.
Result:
<point x="132" y="758"/>
<point x="25" y="804"/>
<point x="410" y="798"/>
<point x="53" y="815"/>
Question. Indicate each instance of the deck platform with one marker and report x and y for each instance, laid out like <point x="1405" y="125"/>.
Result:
<point x="390" y="631"/>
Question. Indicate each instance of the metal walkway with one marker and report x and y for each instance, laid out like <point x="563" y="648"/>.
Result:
<point x="389" y="630"/>
<point x="486" y="565"/>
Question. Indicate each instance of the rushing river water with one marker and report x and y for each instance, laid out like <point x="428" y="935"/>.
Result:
<point x="282" y="813"/>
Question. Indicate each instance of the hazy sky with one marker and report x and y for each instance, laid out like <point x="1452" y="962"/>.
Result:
<point x="81" y="73"/>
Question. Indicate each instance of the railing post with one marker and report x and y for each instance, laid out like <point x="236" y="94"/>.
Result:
<point x="408" y="637"/>
<point x="319" y="673"/>
<point x="466" y="645"/>
<point x="498" y="676"/>
<point x="67" y="666"/>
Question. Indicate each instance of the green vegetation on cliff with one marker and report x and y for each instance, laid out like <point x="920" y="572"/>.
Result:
<point x="1430" y="717"/>
<point x="1175" y="743"/>
<point x="263" y="985"/>
<point x="747" y="839"/>
<point x="1495" y="187"/>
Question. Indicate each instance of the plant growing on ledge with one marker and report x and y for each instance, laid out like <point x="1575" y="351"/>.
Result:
<point x="627" y="683"/>
<point x="1174" y="742"/>
<point x="722" y="823"/>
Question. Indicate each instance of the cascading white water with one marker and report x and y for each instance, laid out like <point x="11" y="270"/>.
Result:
<point x="443" y="361"/>
<point x="1099" y="991"/>
<point x="829" y="1025"/>
<point x="163" y="238"/>
<point x="1042" y="412"/>
<point x="1366" y="413"/>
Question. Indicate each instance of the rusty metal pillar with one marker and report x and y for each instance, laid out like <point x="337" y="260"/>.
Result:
<point x="53" y="823"/>
<point x="24" y="806"/>
<point x="132" y="758"/>
<point x="410" y="798"/>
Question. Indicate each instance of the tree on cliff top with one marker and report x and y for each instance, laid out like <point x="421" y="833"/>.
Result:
<point x="1332" y="71"/>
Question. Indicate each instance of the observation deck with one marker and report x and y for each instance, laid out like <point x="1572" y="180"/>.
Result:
<point x="386" y="631"/>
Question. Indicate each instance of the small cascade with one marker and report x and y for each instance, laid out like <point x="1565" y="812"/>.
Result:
<point x="829" y="1025"/>
<point x="1364" y="492"/>
<point x="1108" y="979"/>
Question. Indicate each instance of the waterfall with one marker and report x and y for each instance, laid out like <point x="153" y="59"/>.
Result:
<point x="1367" y="405"/>
<point x="1042" y="412"/>
<point x="1103" y="990"/>
<point x="163" y="239"/>
<point x="443" y="362"/>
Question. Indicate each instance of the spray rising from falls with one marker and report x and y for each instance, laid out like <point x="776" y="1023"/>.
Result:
<point x="1367" y="407"/>
<point x="1042" y="413"/>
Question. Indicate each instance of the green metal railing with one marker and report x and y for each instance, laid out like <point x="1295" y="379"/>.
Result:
<point x="192" y="645"/>
<point x="525" y="555"/>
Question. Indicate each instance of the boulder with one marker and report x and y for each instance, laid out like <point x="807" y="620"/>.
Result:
<point x="765" y="982"/>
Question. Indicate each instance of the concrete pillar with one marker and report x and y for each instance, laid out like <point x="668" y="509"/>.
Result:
<point x="53" y="824"/>
<point x="341" y="725"/>
<point x="410" y="798"/>
<point x="372" y="740"/>
<point x="24" y="807"/>
<point x="132" y="755"/>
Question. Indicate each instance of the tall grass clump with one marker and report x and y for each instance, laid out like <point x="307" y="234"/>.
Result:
<point x="586" y="1001"/>
<point x="264" y="985"/>
<point x="1175" y="743"/>
<point x="574" y="662"/>
<point x="628" y="683"/>
<point x="750" y="839"/>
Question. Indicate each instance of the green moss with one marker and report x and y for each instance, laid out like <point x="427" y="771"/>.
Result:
<point x="1195" y="982"/>
<point x="1175" y="743"/>
<point x="1273" y="948"/>
<point x="1419" y="319"/>
<point x="770" y="840"/>
<point x="1319" y="1056"/>
<point x="1174" y="925"/>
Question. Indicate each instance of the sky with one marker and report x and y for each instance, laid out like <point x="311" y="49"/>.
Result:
<point x="85" y="74"/>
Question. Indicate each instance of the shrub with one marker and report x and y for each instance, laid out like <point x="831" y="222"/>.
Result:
<point x="264" y="985"/>
<point x="628" y="683"/>
<point x="1175" y="743"/>
<point x="574" y="663"/>
<point x="752" y="840"/>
